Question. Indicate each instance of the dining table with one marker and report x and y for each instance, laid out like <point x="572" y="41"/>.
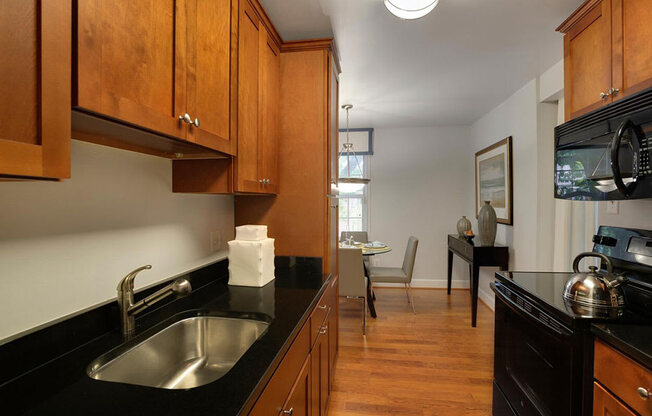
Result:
<point x="368" y="250"/>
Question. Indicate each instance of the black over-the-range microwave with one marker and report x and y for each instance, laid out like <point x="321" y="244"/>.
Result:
<point x="605" y="154"/>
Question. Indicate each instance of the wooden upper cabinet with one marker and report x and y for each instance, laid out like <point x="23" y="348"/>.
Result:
<point x="211" y="58"/>
<point x="587" y="60"/>
<point x="258" y="96"/>
<point x="148" y="63"/>
<point x="35" y="88"/>
<point x="270" y="77"/>
<point x="632" y="46"/>
<point x="248" y="176"/>
<point x="607" y="53"/>
<point x="131" y="62"/>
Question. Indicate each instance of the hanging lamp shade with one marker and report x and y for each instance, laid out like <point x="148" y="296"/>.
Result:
<point x="410" y="9"/>
<point x="350" y="183"/>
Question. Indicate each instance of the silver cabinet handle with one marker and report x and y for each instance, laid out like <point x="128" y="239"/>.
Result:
<point x="324" y="307"/>
<point x="261" y="180"/>
<point x="643" y="393"/>
<point x="196" y="122"/>
<point x="267" y="181"/>
<point x="323" y="330"/>
<point x="186" y="118"/>
<point x="288" y="412"/>
<point x="613" y="91"/>
<point x="603" y="95"/>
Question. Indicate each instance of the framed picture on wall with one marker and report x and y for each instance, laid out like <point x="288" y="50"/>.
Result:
<point x="493" y="180"/>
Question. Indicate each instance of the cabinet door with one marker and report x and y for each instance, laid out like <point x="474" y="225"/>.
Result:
<point x="131" y="62"/>
<point x="270" y="82"/>
<point x="248" y="176"/>
<point x="298" y="403"/>
<point x="632" y="46"/>
<point x="604" y="404"/>
<point x="587" y="62"/>
<point x="210" y="28"/>
<point x="320" y="373"/>
<point x="35" y="88"/>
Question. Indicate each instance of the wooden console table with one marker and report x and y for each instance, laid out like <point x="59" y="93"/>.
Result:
<point x="476" y="256"/>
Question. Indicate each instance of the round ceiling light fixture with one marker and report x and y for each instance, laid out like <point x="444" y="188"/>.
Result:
<point x="410" y="9"/>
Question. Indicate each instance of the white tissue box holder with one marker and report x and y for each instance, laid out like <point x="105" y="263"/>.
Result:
<point x="251" y="263"/>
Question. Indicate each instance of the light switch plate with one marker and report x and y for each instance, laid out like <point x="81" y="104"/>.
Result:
<point x="612" y="207"/>
<point x="216" y="240"/>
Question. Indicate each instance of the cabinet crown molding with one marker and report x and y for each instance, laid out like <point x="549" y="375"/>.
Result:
<point x="577" y="15"/>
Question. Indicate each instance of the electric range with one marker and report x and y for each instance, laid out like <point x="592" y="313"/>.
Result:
<point x="543" y="346"/>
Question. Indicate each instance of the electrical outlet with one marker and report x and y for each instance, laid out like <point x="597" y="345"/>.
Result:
<point x="612" y="207"/>
<point x="216" y="240"/>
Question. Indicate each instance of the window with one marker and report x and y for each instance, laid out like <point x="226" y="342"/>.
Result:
<point x="353" y="202"/>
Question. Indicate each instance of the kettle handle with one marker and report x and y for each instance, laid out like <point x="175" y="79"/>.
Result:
<point x="580" y="256"/>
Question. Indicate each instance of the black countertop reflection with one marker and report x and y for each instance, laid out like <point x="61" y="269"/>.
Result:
<point x="633" y="340"/>
<point x="60" y="385"/>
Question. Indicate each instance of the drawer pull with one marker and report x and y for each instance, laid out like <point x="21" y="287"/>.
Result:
<point x="324" y="329"/>
<point x="288" y="412"/>
<point x="643" y="393"/>
<point x="322" y="307"/>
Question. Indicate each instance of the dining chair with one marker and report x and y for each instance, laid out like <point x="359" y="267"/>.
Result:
<point x="399" y="274"/>
<point x="352" y="279"/>
<point x="358" y="236"/>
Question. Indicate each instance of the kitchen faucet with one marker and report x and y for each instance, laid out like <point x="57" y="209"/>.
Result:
<point x="128" y="310"/>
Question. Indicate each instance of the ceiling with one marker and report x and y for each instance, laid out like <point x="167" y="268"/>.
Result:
<point x="449" y="67"/>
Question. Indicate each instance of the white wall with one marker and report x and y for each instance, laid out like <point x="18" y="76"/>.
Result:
<point x="531" y="124"/>
<point x="632" y="214"/>
<point x="420" y="186"/>
<point x="64" y="246"/>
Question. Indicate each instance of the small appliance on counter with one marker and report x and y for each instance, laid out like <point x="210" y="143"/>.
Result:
<point x="251" y="257"/>
<point x="543" y="352"/>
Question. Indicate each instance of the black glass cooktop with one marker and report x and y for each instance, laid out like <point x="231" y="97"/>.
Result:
<point x="546" y="291"/>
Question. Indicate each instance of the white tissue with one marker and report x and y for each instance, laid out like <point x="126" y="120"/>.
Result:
<point x="251" y="232"/>
<point x="251" y="263"/>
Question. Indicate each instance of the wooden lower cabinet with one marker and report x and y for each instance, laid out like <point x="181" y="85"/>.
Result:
<point x="298" y="403"/>
<point x="301" y="384"/>
<point x="604" y="404"/>
<point x="617" y="382"/>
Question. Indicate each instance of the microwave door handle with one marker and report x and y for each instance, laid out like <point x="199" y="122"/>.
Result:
<point x="625" y="189"/>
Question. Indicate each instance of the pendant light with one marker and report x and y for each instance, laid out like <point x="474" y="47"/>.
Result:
<point x="350" y="183"/>
<point x="410" y="9"/>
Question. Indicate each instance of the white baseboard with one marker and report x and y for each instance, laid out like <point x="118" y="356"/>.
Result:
<point x="430" y="284"/>
<point x="488" y="299"/>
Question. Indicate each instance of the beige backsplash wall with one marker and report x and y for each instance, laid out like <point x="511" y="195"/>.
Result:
<point x="64" y="245"/>
<point x="632" y="214"/>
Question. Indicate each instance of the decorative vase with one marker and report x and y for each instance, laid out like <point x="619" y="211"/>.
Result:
<point x="487" y="225"/>
<point x="463" y="225"/>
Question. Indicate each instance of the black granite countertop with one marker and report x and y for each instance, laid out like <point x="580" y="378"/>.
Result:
<point x="61" y="385"/>
<point x="633" y="340"/>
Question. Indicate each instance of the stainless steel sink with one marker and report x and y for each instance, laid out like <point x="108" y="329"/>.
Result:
<point x="189" y="353"/>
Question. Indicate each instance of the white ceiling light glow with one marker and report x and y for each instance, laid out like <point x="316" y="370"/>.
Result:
<point x="410" y="9"/>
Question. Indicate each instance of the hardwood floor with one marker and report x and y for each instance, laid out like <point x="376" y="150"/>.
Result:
<point x="431" y="363"/>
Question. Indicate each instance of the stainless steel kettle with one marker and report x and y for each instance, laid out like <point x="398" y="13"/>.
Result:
<point x="593" y="289"/>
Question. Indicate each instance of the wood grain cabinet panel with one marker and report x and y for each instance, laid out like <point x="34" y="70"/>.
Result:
<point x="632" y="46"/>
<point x="247" y="173"/>
<point x="587" y="61"/>
<point x="604" y="404"/>
<point x="298" y="403"/>
<point x="131" y="62"/>
<point x="270" y="81"/>
<point x="258" y="101"/>
<point x="607" y="53"/>
<point x="210" y="57"/>
<point x="35" y="88"/>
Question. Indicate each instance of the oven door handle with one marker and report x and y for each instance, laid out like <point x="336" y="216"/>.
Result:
<point x="626" y="189"/>
<point x="516" y="308"/>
